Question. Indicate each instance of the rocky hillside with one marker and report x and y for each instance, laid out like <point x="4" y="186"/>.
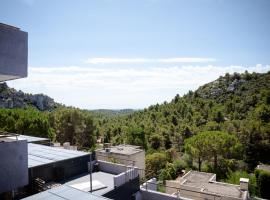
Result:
<point x="11" y="98"/>
<point x="226" y="87"/>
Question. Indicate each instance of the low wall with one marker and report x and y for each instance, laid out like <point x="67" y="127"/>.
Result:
<point x="154" y="195"/>
<point x="112" y="168"/>
<point x="151" y="184"/>
<point x="124" y="177"/>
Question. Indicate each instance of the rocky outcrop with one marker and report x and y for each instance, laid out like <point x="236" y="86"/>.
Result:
<point x="235" y="84"/>
<point x="11" y="98"/>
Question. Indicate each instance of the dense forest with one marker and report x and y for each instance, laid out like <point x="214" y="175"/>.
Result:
<point x="237" y="104"/>
<point x="222" y="127"/>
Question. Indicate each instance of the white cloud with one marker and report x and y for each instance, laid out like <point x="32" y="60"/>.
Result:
<point x="97" y="87"/>
<point x="109" y="60"/>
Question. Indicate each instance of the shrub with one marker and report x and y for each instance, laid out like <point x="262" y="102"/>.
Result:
<point x="263" y="182"/>
<point x="234" y="178"/>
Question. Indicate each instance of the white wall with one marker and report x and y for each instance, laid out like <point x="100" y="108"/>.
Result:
<point x="112" y="168"/>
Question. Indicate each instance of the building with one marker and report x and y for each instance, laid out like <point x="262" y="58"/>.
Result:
<point x="13" y="53"/>
<point x="194" y="185"/>
<point x="52" y="171"/>
<point x="201" y="185"/>
<point x="13" y="153"/>
<point x="129" y="155"/>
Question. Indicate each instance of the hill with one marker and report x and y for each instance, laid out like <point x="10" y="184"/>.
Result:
<point x="238" y="104"/>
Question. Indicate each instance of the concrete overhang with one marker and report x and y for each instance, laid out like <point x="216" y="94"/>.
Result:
<point x="13" y="53"/>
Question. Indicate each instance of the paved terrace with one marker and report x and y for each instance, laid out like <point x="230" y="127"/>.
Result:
<point x="102" y="182"/>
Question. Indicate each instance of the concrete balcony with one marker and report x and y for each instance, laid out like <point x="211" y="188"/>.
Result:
<point x="13" y="53"/>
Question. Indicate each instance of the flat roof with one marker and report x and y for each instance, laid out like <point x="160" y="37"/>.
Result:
<point x="206" y="182"/>
<point x="64" y="192"/>
<point x="41" y="154"/>
<point x="30" y="138"/>
<point x="102" y="182"/>
<point x="122" y="149"/>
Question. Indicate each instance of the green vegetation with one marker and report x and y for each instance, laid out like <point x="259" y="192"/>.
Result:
<point x="263" y="182"/>
<point x="26" y="121"/>
<point x="222" y="127"/>
<point x="212" y="146"/>
<point x="63" y="124"/>
<point x="111" y="113"/>
<point x="234" y="178"/>
<point x="73" y="125"/>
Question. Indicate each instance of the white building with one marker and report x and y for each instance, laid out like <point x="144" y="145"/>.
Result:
<point x="129" y="155"/>
<point x="202" y="185"/>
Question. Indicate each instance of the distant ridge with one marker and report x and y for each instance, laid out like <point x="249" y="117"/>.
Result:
<point x="113" y="112"/>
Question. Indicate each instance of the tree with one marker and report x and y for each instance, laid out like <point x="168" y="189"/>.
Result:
<point x="156" y="141"/>
<point x="212" y="144"/>
<point x="154" y="163"/>
<point x="196" y="148"/>
<point x="74" y="126"/>
<point x="136" y="136"/>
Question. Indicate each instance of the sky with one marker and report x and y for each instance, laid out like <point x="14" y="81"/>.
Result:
<point x="115" y="54"/>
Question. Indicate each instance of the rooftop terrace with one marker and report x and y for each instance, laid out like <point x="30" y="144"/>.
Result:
<point x="122" y="149"/>
<point x="102" y="182"/>
<point x="206" y="182"/>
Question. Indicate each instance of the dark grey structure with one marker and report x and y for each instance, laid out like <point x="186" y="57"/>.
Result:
<point x="13" y="53"/>
<point x="65" y="192"/>
<point x="54" y="164"/>
<point x="13" y="165"/>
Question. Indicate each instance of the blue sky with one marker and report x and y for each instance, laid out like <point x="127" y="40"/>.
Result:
<point x="131" y="54"/>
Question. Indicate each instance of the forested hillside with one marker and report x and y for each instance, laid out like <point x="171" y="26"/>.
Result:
<point x="222" y="127"/>
<point x="235" y="106"/>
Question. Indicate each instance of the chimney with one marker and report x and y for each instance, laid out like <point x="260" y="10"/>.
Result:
<point x="244" y="184"/>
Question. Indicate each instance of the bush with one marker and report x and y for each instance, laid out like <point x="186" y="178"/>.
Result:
<point x="263" y="182"/>
<point x="234" y="178"/>
<point x="172" y="170"/>
<point x="154" y="163"/>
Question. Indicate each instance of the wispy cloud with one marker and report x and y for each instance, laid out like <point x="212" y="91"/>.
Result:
<point x="102" y="87"/>
<point x="110" y="60"/>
